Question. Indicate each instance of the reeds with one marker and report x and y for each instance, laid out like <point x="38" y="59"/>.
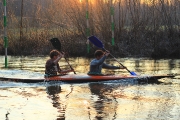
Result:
<point x="142" y="27"/>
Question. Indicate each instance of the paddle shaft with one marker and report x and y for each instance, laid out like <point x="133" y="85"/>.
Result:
<point x="69" y="64"/>
<point x="117" y="61"/>
<point x="57" y="45"/>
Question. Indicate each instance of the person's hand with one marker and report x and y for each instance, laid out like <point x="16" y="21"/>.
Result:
<point x="66" y="71"/>
<point x="72" y="70"/>
<point x="122" y="67"/>
<point x="107" y="53"/>
<point x="62" y="54"/>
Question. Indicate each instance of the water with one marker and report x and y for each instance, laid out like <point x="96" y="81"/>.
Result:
<point x="114" y="100"/>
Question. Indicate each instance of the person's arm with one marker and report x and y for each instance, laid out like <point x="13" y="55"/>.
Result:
<point x="58" y="58"/>
<point x="122" y="67"/>
<point x="112" y="67"/>
<point x="98" y="62"/>
<point x="66" y="71"/>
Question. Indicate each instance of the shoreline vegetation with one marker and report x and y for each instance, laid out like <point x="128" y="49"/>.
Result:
<point x="141" y="29"/>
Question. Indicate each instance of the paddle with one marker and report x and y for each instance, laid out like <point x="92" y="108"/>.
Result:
<point x="99" y="44"/>
<point x="57" y="45"/>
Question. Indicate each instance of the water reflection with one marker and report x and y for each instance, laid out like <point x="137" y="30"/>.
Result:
<point x="59" y="103"/>
<point x="103" y="103"/>
<point x="53" y="93"/>
<point x="7" y="115"/>
<point x="94" y="101"/>
<point x="117" y="100"/>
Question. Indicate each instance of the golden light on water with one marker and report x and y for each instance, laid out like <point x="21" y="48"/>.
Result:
<point x="107" y="100"/>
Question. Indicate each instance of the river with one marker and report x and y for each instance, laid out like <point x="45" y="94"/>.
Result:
<point x="118" y="100"/>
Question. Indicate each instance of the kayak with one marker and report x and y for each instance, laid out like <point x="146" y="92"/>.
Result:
<point x="81" y="78"/>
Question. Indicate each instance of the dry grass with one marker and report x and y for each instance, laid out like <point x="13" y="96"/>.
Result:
<point x="141" y="29"/>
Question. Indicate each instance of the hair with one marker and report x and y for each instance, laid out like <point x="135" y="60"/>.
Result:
<point x="98" y="53"/>
<point x="54" y="53"/>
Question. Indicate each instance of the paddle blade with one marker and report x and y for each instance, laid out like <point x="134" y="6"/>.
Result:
<point x="96" y="41"/>
<point x="133" y="73"/>
<point x="56" y="43"/>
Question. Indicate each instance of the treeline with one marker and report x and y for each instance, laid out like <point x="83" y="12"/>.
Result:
<point x="143" y="28"/>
